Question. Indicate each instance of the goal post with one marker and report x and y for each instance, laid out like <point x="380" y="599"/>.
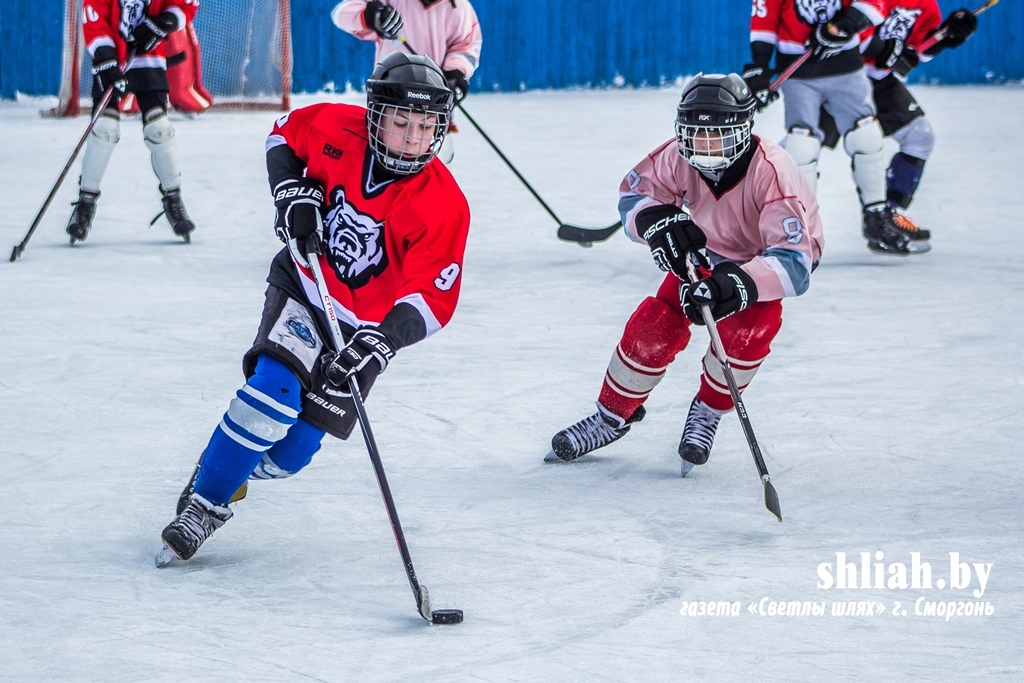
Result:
<point x="246" y="55"/>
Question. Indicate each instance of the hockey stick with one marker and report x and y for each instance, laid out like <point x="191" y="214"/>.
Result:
<point x="771" y="498"/>
<point x="67" y="167"/>
<point x="585" y="237"/>
<point x="441" y="616"/>
<point x="941" y="34"/>
<point x="790" y="70"/>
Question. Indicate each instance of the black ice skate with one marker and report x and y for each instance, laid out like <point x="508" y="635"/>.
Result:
<point x="698" y="435"/>
<point x="881" y="232"/>
<point x="176" y="214"/>
<point x="589" y="434"/>
<point x="80" y="222"/>
<point x="192" y="527"/>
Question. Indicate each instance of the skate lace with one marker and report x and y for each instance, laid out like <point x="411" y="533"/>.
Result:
<point x="904" y="222"/>
<point x="701" y="425"/>
<point x="197" y="523"/>
<point x="174" y="208"/>
<point x="592" y="433"/>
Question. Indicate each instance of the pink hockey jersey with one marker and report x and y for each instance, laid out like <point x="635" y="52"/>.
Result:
<point x="787" y="24"/>
<point x="911" y="21"/>
<point x="767" y="222"/>
<point x="447" y="31"/>
<point x="111" y="22"/>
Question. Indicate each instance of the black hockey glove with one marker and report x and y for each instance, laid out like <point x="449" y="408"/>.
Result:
<point x="671" y="233"/>
<point x="457" y="83"/>
<point x="299" y="202"/>
<point x="366" y="355"/>
<point x="107" y="71"/>
<point x="959" y="26"/>
<point x="827" y="40"/>
<point x="898" y="56"/>
<point x="382" y="19"/>
<point x="152" y="30"/>
<point x="727" y="291"/>
<point x="759" y="80"/>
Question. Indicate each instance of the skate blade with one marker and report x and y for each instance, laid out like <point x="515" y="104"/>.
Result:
<point x="165" y="557"/>
<point x="686" y="467"/>
<point x="919" y="247"/>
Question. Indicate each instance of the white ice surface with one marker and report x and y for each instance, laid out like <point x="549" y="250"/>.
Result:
<point x="890" y="410"/>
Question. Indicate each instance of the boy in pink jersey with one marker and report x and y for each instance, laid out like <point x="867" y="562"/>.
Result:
<point x="741" y="209"/>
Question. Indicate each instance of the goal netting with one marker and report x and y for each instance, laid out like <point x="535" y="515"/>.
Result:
<point x="246" y="55"/>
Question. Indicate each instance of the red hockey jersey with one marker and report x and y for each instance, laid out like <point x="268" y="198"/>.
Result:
<point x="911" y="21"/>
<point x="111" y="22"/>
<point x="400" y="240"/>
<point x="787" y="24"/>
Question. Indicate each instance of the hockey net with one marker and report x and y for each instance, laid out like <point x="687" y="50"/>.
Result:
<point x="246" y="56"/>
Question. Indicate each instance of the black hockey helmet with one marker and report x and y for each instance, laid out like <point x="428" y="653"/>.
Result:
<point x="409" y="107"/>
<point x="713" y="121"/>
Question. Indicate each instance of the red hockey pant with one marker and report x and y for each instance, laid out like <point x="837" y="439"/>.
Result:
<point x="658" y="330"/>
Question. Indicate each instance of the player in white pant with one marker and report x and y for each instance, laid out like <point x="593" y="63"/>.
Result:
<point x="833" y="79"/>
<point x="109" y="34"/>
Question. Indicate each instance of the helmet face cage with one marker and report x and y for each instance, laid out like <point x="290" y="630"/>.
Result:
<point x="712" y="148"/>
<point x="404" y="138"/>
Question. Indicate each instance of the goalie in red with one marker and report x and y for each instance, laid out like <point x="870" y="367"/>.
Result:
<point x="112" y="28"/>
<point x="393" y="224"/>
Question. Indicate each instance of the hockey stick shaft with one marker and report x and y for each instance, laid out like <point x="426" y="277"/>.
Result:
<point x="790" y="70"/>
<point x="67" y="167"/>
<point x="771" y="498"/>
<point x="418" y="591"/>
<point x="941" y="34"/>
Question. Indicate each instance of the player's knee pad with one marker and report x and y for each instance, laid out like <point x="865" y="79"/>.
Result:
<point x="654" y="334"/>
<point x="102" y="141"/>
<point x="864" y="145"/>
<point x="159" y="137"/>
<point x="804" y="148"/>
<point x="916" y="139"/>
<point x="265" y="408"/>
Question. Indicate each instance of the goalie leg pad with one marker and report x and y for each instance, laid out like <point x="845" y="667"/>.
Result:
<point x="98" y="150"/>
<point x="747" y="338"/>
<point x="159" y="137"/>
<point x="259" y="416"/>
<point x="804" y="148"/>
<point x="864" y="145"/>
<point x="655" y="333"/>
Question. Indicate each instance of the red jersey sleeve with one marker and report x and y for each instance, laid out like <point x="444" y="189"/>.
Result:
<point x="433" y="233"/>
<point x="293" y="128"/>
<point x="765" y="16"/>
<point x="930" y="19"/>
<point x="98" y="19"/>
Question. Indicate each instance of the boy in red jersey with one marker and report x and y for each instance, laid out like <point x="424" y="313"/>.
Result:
<point x="394" y="224"/>
<point x="111" y="28"/>
<point x="834" y="79"/>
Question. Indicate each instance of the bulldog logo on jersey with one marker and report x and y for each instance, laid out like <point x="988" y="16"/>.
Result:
<point x="817" y="11"/>
<point x="898" y="24"/>
<point x="355" y="242"/>
<point x="132" y="13"/>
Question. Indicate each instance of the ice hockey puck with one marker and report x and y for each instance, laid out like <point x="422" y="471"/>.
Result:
<point x="446" y="616"/>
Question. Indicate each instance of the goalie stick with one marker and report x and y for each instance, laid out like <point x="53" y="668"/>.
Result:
<point x="771" y="498"/>
<point x="19" y="248"/>
<point x="441" y="616"/>
<point x="583" y="236"/>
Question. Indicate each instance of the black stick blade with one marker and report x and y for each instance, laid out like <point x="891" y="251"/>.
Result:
<point x="586" y="236"/>
<point x="15" y="254"/>
<point x="771" y="500"/>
